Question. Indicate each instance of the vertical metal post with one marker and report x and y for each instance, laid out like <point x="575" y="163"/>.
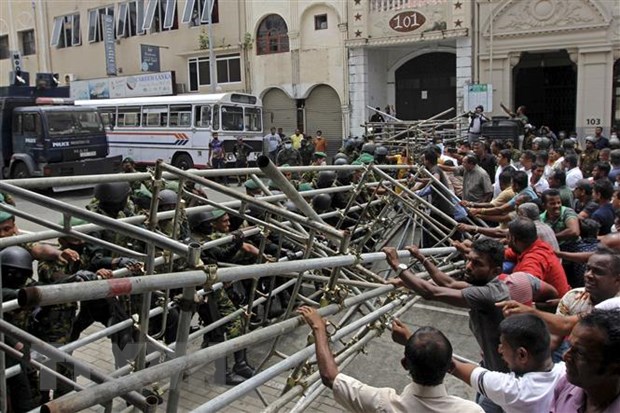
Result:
<point x="187" y="305"/>
<point x="212" y="68"/>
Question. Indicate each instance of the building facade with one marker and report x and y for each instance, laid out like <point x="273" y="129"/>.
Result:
<point x="324" y="64"/>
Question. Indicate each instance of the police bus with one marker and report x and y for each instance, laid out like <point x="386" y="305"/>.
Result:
<point x="178" y="129"/>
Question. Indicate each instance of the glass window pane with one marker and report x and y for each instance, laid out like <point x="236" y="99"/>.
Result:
<point x="222" y="71"/>
<point x="151" y="7"/>
<point x="122" y="20"/>
<point x="204" y="73"/>
<point x="234" y="70"/>
<point x="232" y="118"/>
<point x="170" y="12"/>
<point x="58" y="22"/>
<point x="76" y="36"/>
<point x="93" y="19"/>
<point x="187" y="12"/>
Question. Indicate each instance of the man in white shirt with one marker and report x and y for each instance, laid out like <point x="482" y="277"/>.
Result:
<point x="524" y="345"/>
<point x="271" y="143"/>
<point x="427" y="358"/>
<point x="573" y="173"/>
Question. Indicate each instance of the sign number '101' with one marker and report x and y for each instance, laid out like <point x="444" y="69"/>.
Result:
<point x="407" y="21"/>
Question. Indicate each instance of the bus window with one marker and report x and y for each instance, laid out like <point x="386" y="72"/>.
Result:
<point x="232" y="118"/>
<point x="88" y="122"/>
<point x="216" y="117"/>
<point x="203" y="116"/>
<point x="129" y="116"/>
<point x="180" y="116"/>
<point x="253" y="119"/>
<point x="108" y="115"/>
<point x="60" y="123"/>
<point x="156" y="116"/>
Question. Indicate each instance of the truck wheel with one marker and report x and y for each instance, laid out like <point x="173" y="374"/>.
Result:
<point x="183" y="161"/>
<point x="20" y="171"/>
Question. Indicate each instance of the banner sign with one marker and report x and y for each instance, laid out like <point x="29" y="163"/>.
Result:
<point x="109" y="45"/>
<point x="149" y="58"/>
<point x="148" y="84"/>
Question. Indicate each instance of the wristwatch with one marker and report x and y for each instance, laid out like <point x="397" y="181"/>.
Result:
<point x="401" y="267"/>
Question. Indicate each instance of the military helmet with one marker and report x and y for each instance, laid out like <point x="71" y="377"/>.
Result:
<point x="112" y="192"/>
<point x="16" y="257"/>
<point x="340" y="155"/>
<point x="195" y="220"/>
<point x="341" y="161"/>
<point x="321" y="202"/>
<point x="167" y="197"/>
<point x="368" y="148"/>
<point x="381" y="151"/>
<point x="325" y="179"/>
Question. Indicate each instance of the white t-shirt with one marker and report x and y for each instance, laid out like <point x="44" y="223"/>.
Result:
<point x="532" y="392"/>
<point x="609" y="304"/>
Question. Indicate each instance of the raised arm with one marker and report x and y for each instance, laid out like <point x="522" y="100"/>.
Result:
<point x="442" y="279"/>
<point x="328" y="369"/>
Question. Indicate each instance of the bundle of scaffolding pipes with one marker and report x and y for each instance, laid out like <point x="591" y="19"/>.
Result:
<point x="343" y="260"/>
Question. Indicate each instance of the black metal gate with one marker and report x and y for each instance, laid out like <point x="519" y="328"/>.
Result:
<point x="425" y="86"/>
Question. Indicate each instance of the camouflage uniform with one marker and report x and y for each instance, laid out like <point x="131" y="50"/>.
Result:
<point x="289" y="156"/>
<point x="588" y="159"/>
<point x="218" y="303"/>
<point x="53" y="323"/>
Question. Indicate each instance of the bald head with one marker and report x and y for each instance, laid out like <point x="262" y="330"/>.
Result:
<point x="529" y="210"/>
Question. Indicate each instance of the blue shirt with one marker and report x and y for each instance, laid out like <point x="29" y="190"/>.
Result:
<point x="605" y="216"/>
<point x="527" y="191"/>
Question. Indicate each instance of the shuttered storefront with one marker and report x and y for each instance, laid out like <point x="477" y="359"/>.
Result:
<point x="279" y="111"/>
<point x="323" y="113"/>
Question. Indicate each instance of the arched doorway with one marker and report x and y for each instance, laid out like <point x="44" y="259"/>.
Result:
<point x="323" y="112"/>
<point x="426" y="86"/>
<point x="279" y="111"/>
<point x="546" y="84"/>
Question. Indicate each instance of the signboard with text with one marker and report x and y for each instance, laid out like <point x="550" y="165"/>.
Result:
<point x="148" y="84"/>
<point x="109" y="45"/>
<point x="478" y="94"/>
<point x="149" y="58"/>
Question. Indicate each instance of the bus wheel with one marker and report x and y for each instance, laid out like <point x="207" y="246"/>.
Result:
<point x="183" y="161"/>
<point x="20" y="171"/>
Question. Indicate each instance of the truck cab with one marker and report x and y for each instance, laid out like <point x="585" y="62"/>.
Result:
<point x="42" y="139"/>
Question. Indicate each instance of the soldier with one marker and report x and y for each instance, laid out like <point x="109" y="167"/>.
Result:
<point x="368" y="154"/>
<point x="589" y="157"/>
<point x="241" y="150"/>
<point x="206" y="226"/>
<point x="168" y="200"/>
<point x="306" y="150"/>
<point x="288" y="155"/>
<point x="23" y="389"/>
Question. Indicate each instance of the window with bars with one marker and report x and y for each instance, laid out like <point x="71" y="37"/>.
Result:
<point x="228" y="70"/>
<point x="160" y="16"/>
<point x="196" y="13"/>
<point x="66" y="31"/>
<point x="272" y="36"/>
<point x="130" y="18"/>
<point x="96" y="23"/>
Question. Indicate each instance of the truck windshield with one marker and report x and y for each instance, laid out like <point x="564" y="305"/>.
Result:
<point x="78" y="122"/>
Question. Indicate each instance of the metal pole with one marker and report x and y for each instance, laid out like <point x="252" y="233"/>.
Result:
<point x="187" y="306"/>
<point x="285" y="186"/>
<point x="90" y="290"/>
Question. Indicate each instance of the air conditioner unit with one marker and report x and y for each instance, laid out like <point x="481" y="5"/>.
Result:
<point x="69" y="77"/>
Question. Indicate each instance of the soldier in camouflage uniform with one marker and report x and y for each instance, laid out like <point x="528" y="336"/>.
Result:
<point x="207" y="226"/>
<point x="23" y="389"/>
<point x="288" y="155"/>
<point x="589" y="157"/>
